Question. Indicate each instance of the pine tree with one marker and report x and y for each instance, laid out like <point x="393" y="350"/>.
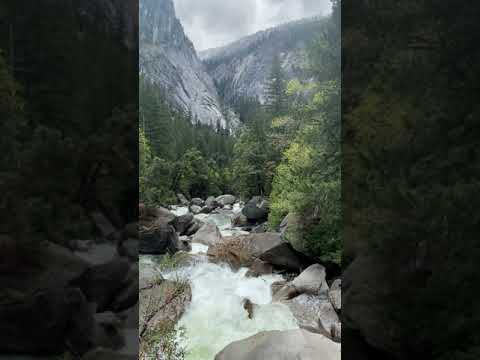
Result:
<point x="275" y="101"/>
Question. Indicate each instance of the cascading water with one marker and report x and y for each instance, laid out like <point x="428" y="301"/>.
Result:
<point x="216" y="316"/>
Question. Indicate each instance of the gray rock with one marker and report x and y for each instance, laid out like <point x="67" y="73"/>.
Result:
<point x="194" y="227"/>
<point x="282" y="345"/>
<point x="256" y="209"/>
<point x="164" y="301"/>
<point x="277" y="286"/>
<point x="184" y="243"/>
<point x="270" y="248"/>
<point x="211" y="202"/>
<point x="209" y="234"/>
<point x="158" y="240"/>
<point x="243" y="250"/>
<point x="182" y="223"/>
<point x="259" y="229"/>
<point x="155" y="217"/>
<point x="197" y="201"/>
<point x="239" y="220"/>
<point x="258" y="268"/>
<point x="314" y="313"/>
<point x="195" y="209"/>
<point x="311" y="280"/>
<point x="286" y="292"/>
<point x="335" y="294"/>
<point x="207" y="209"/>
<point x="226" y="199"/>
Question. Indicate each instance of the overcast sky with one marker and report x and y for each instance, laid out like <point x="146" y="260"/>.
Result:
<point x="213" y="23"/>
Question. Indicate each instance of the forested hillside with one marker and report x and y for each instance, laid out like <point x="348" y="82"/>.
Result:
<point x="287" y="149"/>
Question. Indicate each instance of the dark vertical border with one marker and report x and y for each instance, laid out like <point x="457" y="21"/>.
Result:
<point x="69" y="178"/>
<point x="410" y="179"/>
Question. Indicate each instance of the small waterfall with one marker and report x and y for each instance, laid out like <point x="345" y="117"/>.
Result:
<point x="216" y="317"/>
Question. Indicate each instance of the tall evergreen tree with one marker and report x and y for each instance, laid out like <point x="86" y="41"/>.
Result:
<point x="275" y="101"/>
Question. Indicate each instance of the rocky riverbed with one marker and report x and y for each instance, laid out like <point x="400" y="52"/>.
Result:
<point x="250" y="293"/>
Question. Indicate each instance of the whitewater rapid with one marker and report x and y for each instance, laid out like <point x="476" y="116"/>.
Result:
<point x="216" y="317"/>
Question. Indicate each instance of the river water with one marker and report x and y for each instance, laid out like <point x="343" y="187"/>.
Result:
<point x="215" y="316"/>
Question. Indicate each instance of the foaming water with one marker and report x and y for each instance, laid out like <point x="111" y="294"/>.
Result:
<point x="216" y="316"/>
<point x="198" y="248"/>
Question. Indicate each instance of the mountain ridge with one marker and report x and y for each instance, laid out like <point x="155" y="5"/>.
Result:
<point x="241" y="68"/>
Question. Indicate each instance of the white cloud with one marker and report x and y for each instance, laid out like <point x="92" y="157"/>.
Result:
<point x="213" y="23"/>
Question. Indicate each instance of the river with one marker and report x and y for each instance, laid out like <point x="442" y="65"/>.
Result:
<point x="216" y="317"/>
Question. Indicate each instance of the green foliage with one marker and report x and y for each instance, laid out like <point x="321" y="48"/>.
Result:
<point x="177" y="153"/>
<point x="307" y="180"/>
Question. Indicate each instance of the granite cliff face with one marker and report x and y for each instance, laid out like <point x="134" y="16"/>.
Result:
<point x="242" y="68"/>
<point x="168" y="59"/>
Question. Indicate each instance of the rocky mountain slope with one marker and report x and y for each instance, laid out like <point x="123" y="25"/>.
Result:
<point x="168" y="58"/>
<point x="241" y="69"/>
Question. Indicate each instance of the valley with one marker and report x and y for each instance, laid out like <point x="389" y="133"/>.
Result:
<point x="239" y="191"/>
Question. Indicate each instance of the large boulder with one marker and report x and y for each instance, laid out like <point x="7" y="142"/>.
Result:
<point x="270" y="248"/>
<point x="150" y="217"/>
<point x="243" y="250"/>
<point x="256" y="209"/>
<point x="311" y="280"/>
<point x="296" y="344"/>
<point x="158" y="240"/>
<point x="194" y="227"/>
<point x="226" y="199"/>
<point x="259" y="268"/>
<point x="164" y="301"/>
<point x="315" y="313"/>
<point x="209" y="234"/>
<point x="182" y="223"/>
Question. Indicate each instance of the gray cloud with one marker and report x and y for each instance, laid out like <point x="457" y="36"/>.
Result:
<point x="212" y="23"/>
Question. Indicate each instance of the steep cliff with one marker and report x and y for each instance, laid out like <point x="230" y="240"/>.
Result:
<point x="168" y="59"/>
